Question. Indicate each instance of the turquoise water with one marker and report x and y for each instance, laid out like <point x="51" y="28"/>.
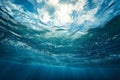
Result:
<point x="65" y="39"/>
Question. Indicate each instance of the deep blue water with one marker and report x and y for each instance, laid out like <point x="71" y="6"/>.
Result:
<point x="17" y="71"/>
<point x="59" y="40"/>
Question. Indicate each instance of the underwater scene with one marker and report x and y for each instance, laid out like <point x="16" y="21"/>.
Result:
<point x="59" y="39"/>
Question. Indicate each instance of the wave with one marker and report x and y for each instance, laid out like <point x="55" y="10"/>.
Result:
<point x="57" y="45"/>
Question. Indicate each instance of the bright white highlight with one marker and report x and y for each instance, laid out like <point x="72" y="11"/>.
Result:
<point x="63" y="12"/>
<point x="60" y="17"/>
<point x="46" y="17"/>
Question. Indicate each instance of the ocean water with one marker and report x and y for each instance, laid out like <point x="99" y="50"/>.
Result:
<point x="59" y="40"/>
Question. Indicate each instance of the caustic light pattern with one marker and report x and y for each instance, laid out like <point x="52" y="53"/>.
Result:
<point x="60" y="32"/>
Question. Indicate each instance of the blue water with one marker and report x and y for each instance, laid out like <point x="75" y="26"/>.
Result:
<point x="61" y="39"/>
<point x="16" y="71"/>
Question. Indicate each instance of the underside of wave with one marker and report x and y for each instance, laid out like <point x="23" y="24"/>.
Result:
<point x="99" y="47"/>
